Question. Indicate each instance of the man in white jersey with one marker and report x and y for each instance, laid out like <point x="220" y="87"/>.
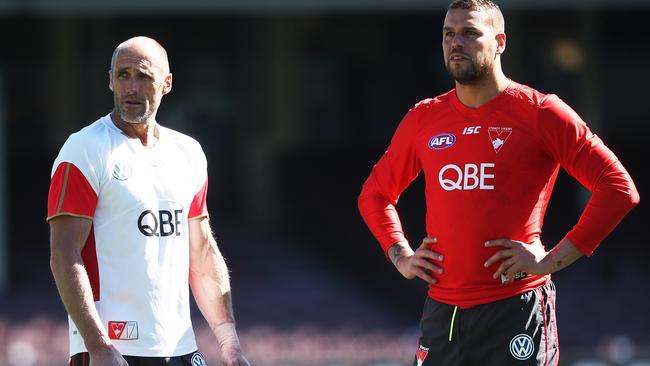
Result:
<point x="130" y="229"/>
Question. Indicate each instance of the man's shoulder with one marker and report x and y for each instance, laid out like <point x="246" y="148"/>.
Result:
<point x="178" y="137"/>
<point x="86" y="148"/>
<point x="436" y="102"/>
<point x="527" y="95"/>
<point x="183" y="143"/>
<point x="91" y="135"/>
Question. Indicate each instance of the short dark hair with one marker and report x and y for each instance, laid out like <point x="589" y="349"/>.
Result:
<point x="493" y="11"/>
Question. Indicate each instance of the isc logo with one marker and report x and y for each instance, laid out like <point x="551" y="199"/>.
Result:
<point x="474" y="130"/>
<point x="442" y="141"/>
<point x="471" y="176"/>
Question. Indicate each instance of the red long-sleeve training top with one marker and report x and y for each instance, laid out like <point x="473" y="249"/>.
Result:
<point x="489" y="174"/>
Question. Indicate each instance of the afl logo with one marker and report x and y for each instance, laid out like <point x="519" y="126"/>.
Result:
<point x="121" y="170"/>
<point x="521" y="347"/>
<point x="442" y="141"/>
<point x="197" y="360"/>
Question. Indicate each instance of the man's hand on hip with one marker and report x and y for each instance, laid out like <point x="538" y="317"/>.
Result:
<point x="516" y="256"/>
<point x="419" y="263"/>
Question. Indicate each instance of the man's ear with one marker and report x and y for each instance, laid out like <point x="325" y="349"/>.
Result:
<point x="110" y="80"/>
<point x="501" y="42"/>
<point x="167" y="84"/>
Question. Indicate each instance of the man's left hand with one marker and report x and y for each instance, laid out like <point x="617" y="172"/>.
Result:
<point x="234" y="357"/>
<point x="516" y="257"/>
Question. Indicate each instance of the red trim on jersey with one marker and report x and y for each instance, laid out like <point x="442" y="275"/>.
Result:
<point x="199" y="206"/>
<point x="70" y="193"/>
<point x="89" y="256"/>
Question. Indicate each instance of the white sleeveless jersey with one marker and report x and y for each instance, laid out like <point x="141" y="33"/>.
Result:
<point x="140" y="233"/>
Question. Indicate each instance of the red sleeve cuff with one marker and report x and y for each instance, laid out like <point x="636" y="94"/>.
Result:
<point x="382" y="219"/>
<point x="604" y="211"/>
<point x="199" y="206"/>
<point x="70" y="193"/>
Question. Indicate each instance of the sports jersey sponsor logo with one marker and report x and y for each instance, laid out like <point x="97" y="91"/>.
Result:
<point x="521" y="347"/>
<point x="198" y="360"/>
<point x="123" y="330"/>
<point x="516" y="277"/>
<point x="442" y="141"/>
<point x="472" y="130"/>
<point x="421" y="354"/>
<point x="121" y="170"/>
<point x="499" y="136"/>
<point x="471" y="176"/>
<point x="160" y="224"/>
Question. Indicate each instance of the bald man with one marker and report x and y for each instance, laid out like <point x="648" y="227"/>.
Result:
<point x="130" y="229"/>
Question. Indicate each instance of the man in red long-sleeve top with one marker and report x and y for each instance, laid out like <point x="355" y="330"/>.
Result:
<point x="490" y="150"/>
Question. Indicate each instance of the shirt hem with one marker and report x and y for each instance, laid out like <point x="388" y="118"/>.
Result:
<point x="489" y="297"/>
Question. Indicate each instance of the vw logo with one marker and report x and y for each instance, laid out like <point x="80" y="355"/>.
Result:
<point x="197" y="360"/>
<point x="121" y="170"/>
<point x="521" y="346"/>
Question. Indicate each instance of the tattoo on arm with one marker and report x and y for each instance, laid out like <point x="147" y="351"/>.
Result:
<point x="562" y="255"/>
<point x="394" y="253"/>
<point x="561" y="262"/>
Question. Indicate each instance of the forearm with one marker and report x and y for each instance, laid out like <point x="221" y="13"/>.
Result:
<point x="381" y="217"/>
<point x="398" y="251"/>
<point x="561" y="256"/>
<point x="210" y="285"/>
<point x="76" y="294"/>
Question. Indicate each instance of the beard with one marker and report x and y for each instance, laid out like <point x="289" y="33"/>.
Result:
<point x="133" y="116"/>
<point x="467" y="75"/>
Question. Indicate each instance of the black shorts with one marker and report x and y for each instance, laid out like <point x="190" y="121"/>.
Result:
<point x="521" y="330"/>
<point x="190" y="359"/>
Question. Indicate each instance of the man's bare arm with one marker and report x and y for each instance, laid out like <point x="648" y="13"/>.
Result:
<point x="68" y="235"/>
<point x="210" y="285"/>
<point x="530" y="258"/>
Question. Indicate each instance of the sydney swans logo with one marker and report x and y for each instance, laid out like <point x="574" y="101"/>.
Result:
<point x="499" y="136"/>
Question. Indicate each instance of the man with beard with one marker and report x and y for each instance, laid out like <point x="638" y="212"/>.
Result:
<point x="130" y="230"/>
<point x="490" y="150"/>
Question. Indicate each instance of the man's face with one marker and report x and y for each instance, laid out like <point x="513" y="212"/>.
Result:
<point x="138" y="84"/>
<point x="469" y="45"/>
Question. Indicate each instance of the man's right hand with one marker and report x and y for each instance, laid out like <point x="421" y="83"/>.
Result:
<point x="416" y="264"/>
<point x="107" y="356"/>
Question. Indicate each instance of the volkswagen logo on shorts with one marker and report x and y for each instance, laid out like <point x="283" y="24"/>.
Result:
<point x="197" y="359"/>
<point x="442" y="141"/>
<point x="521" y="347"/>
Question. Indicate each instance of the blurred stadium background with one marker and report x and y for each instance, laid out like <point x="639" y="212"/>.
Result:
<point x="293" y="101"/>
